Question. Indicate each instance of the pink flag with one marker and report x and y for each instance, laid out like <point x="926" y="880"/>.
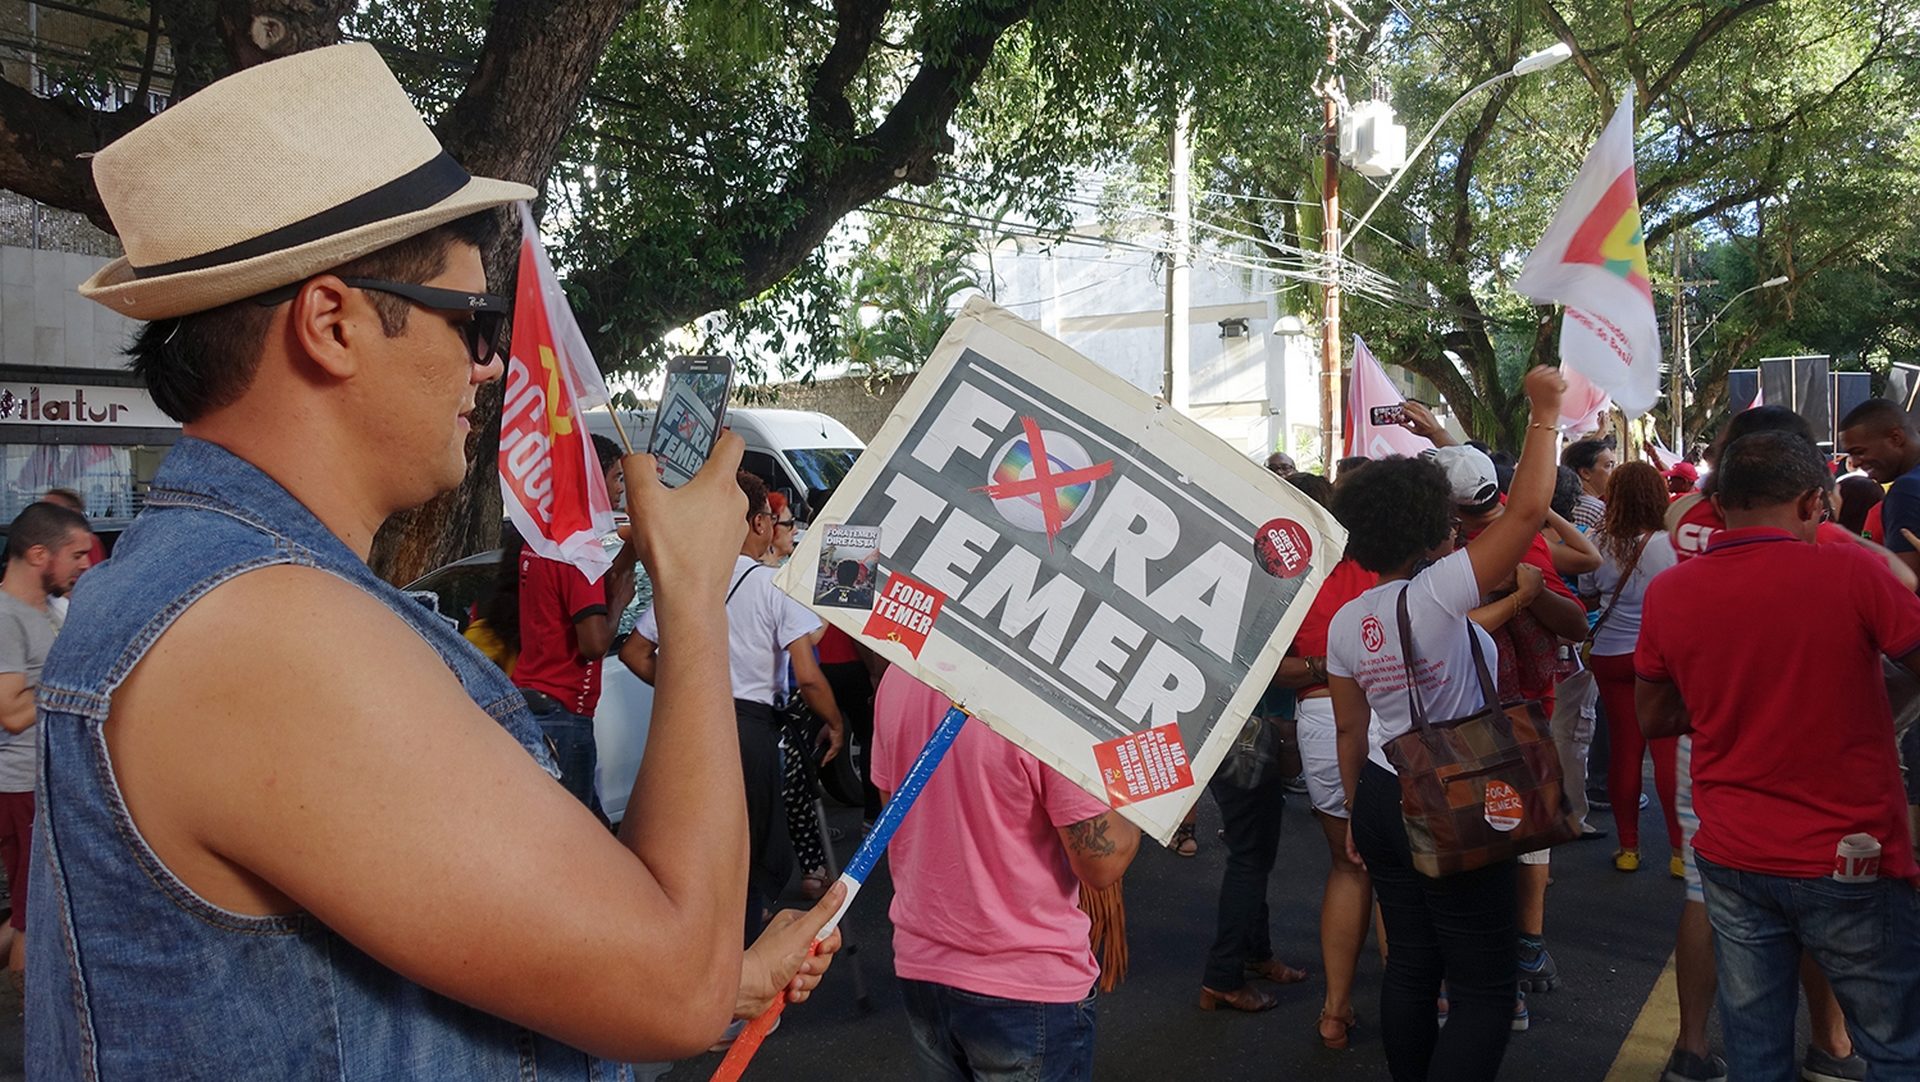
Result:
<point x="1582" y="404"/>
<point x="1593" y="260"/>
<point x="1759" y="394"/>
<point x="550" y="477"/>
<point x="1371" y="388"/>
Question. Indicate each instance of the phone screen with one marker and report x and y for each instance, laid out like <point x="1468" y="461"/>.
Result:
<point x="1388" y="415"/>
<point x="693" y="405"/>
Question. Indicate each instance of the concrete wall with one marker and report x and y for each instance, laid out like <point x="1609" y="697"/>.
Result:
<point x="859" y="403"/>
<point x="44" y="322"/>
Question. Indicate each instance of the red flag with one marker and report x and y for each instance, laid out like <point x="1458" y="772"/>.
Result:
<point x="550" y="477"/>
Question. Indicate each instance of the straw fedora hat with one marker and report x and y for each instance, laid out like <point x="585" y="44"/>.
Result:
<point x="269" y="176"/>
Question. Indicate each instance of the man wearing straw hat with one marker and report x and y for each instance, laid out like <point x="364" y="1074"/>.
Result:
<point x="291" y="826"/>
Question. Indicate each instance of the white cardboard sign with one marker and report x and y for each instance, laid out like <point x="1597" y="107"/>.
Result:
<point x="1091" y="574"/>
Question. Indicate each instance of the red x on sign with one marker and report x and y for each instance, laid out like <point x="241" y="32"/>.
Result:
<point x="1045" y="483"/>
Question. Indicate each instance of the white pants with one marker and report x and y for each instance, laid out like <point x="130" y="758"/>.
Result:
<point x="1573" y="736"/>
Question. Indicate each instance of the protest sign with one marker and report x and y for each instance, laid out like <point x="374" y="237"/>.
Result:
<point x="1086" y="571"/>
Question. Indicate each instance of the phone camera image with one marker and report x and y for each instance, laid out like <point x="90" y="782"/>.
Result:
<point x="693" y="406"/>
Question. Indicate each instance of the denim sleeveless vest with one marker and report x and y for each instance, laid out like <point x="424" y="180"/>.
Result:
<point x="134" y="976"/>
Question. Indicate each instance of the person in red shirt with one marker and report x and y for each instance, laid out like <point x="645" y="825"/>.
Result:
<point x="1692" y="522"/>
<point x="566" y="629"/>
<point x="1780" y="779"/>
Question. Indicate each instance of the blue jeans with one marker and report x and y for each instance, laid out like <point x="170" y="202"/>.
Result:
<point x="962" y="1035"/>
<point x="1864" y="936"/>
<point x="571" y="736"/>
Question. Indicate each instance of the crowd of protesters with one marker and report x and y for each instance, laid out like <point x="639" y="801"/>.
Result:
<point x="356" y="861"/>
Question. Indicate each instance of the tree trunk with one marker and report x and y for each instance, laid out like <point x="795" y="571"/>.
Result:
<point x="508" y="123"/>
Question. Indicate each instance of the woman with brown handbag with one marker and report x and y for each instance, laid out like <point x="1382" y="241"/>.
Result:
<point x="1459" y="928"/>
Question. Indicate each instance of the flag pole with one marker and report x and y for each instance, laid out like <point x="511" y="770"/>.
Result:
<point x="618" y="428"/>
<point x="864" y="858"/>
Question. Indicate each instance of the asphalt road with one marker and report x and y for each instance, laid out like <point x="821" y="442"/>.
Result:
<point x="1610" y="933"/>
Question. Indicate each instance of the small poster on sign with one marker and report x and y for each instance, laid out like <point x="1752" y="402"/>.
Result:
<point x="849" y="560"/>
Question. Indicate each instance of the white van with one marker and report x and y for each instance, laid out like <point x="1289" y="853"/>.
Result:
<point x="798" y="452"/>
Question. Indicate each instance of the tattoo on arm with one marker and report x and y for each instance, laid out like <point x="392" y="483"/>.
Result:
<point x="1089" y="838"/>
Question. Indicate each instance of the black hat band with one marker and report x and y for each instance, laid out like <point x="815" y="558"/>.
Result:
<point x="415" y="190"/>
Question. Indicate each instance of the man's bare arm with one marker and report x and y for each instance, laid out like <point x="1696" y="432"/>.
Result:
<point x="1100" y="848"/>
<point x="1660" y="709"/>
<point x="642" y="655"/>
<point x="17" y="712"/>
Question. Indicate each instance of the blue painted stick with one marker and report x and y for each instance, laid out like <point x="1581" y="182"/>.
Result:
<point x="898" y="804"/>
<point x="864" y="858"/>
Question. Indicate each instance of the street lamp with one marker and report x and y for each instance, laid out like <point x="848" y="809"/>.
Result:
<point x="1334" y="240"/>
<point x="1540" y="61"/>
<point x="1777" y="280"/>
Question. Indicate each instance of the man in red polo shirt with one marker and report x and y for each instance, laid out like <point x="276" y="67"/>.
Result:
<point x="1780" y="779"/>
<point x="566" y="628"/>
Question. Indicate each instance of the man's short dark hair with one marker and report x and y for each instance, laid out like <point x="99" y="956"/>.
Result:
<point x="756" y="490"/>
<point x="1768" y="469"/>
<point x="607" y="451"/>
<point x="1877" y="414"/>
<point x="1582" y="454"/>
<point x="43" y="523"/>
<point x="1395" y="510"/>
<point x="196" y="363"/>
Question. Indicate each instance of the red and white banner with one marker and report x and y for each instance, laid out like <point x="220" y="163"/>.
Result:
<point x="1593" y="260"/>
<point x="1371" y="388"/>
<point x="550" y="476"/>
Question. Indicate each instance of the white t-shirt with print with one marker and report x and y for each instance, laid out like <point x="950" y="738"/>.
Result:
<point x="1363" y="643"/>
<point x="1621" y="631"/>
<point x="762" y="621"/>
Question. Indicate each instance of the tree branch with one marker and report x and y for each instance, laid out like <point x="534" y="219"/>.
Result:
<point x="46" y="148"/>
<point x="1580" y="58"/>
<point x="1709" y="29"/>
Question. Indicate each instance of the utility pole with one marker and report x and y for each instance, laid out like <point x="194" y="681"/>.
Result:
<point x="1178" y="373"/>
<point x="1330" y="444"/>
<point x="1680" y="366"/>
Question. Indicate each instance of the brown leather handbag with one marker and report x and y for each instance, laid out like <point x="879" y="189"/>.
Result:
<point x="1480" y="789"/>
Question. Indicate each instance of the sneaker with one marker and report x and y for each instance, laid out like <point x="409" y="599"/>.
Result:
<point x="1296" y="784"/>
<point x="1677" y="867"/>
<point x="1687" y="1067"/>
<point x="1626" y="860"/>
<point x="1537" y="971"/>
<point x="1521" y="1020"/>
<point x="1820" y="1066"/>
<point x="1598" y="801"/>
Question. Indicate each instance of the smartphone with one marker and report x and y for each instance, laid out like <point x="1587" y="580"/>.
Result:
<point x="693" y="406"/>
<point x="1386" y="416"/>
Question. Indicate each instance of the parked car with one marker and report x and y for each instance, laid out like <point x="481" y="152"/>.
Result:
<point x="626" y="701"/>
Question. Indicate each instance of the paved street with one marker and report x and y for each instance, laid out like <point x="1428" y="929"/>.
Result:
<point x="1610" y="933"/>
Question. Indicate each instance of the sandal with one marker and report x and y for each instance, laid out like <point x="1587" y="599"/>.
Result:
<point x="1337" y="1043"/>
<point x="1246" y="998"/>
<point x="1278" y="972"/>
<point x="1183" y="843"/>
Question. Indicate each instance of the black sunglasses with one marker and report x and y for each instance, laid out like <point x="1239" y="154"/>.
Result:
<point x="485" y="332"/>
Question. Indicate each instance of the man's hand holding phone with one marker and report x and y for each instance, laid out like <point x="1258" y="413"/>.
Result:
<point x="689" y="537"/>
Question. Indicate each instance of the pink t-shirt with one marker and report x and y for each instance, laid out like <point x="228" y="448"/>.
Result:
<point x="983" y="897"/>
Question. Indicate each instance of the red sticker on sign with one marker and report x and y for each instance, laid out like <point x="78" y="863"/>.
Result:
<point x="1283" y="548"/>
<point x="904" y="612"/>
<point x="1143" y="765"/>
<point x="1504" y="809"/>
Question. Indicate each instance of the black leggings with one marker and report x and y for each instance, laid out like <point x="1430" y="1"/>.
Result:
<point x="796" y="792"/>
<point x="1457" y="928"/>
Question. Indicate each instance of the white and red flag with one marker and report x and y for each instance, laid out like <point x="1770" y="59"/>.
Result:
<point x="550" y="476"/>
<point x="1371" y="388"/>
<point x="1593" y="260"/>
<point x="1582" y="404"/>
<point x="1759" y="394"/>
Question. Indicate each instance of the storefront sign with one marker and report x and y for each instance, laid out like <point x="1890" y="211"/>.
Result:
<point x="87" y="407"/>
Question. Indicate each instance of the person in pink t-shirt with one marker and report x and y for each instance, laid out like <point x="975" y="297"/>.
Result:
<point x="989" y="941"/>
